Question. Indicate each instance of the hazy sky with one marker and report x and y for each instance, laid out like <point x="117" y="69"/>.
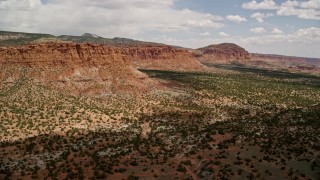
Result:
<point x="267" y="26"/>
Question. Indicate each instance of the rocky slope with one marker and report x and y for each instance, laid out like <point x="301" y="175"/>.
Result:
<point x="222" y="53"/>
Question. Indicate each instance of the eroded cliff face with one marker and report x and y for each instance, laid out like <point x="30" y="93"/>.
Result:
<point x="66" y="54"/>
<point x="90" y="69"/>
<point x="222" y="54"/>
<point x="78" y="68"/>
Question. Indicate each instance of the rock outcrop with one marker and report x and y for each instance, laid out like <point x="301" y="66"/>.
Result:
<point x="222" y="53"/>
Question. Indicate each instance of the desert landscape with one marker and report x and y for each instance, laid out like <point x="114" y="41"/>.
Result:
<point x="103" y="109"/>
<point x="170" y="89"/>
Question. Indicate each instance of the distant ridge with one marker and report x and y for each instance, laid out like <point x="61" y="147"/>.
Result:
<point x="310" y="59"/>
<point x="19" y="38"/>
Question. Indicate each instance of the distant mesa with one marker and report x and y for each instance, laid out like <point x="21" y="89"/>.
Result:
<point x="222" y="53"/>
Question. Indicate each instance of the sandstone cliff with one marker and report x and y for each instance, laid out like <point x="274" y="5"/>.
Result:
<point x="90" y="69"/>
<point x="78" y="68"/>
